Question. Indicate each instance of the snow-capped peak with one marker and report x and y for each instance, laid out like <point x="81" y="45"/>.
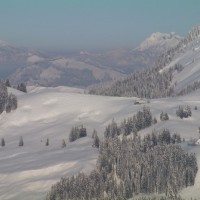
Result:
<point x="162" y="39"/>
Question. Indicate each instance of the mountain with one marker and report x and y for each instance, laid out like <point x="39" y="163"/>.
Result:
<point x="129" y="60"/>
<point x="160" y="42"/>
<point x="177" y="71"/>
<point x="89" y="68"/>
<point x="62" y="71"/>
<point x="11" y="58"/>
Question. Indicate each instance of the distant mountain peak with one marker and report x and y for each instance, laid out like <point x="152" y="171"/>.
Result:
<point x="165" y="40"/>
<point x="84" y="53"/>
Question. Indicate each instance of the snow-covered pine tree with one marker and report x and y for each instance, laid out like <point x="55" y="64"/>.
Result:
<point x="7" y="83"/>
<point x="82" y="132"/>
<point x="3" y="142"/>
<point x="3" y="96"/>
<point x="22" y="87"/>
<point x="21" y="142"/>
<point x="47" y="142"/>
<point x="63" y="143"/>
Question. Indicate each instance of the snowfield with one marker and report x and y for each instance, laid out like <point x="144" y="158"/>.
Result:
<point x="189" y="58"/>
<point x="28" y="172"/>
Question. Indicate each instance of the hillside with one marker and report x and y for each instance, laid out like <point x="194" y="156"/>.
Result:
<point x="11" y="58"/>
<point x="28" y="172"/>
<point x="63" y="71"/>
<point x="129" y="60"/>
<point x="188" y="56"/>
<point x="177" y="73"/>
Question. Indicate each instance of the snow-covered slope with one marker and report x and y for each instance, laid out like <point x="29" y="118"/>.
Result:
<point x="188" y="55"/>
<point x="28" y="172"/>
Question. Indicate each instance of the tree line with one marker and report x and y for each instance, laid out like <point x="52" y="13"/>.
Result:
<point x="130" y="166"/>
<point x="142" y="119"/>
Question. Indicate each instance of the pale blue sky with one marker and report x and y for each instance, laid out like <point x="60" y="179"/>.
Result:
<point x="92" y="24"/>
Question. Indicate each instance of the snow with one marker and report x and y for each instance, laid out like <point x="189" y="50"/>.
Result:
<point x="162" y="39"/>
<point x="190" y="60"/>
<point x="198" y="142"/>
<point x="28" y="172"/>
<point x="34" y="58"/>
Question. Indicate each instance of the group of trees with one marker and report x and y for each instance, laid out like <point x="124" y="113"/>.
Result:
<point x="11" y="103"/>
<point x="77" y="132"/>
<point x="21" y="142"/>
<point x="164" y="116"/>
<point x="140" y="120"/>
<point x="8" y="102"/>
<point x="184" y="112"/>
<point x="168" y="197"/>
<point x="189" y="88"/>
<point x="149" y="83"/>
<point x="22" y="87"/>
<point x="129" y="166"/>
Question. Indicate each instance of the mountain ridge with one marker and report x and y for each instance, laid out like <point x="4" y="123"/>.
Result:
<point x="81" y="70"/>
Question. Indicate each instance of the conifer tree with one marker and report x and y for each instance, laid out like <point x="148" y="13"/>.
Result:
<point x="7" y="83"/>
<point x="96" y="141"/>
<point x="47" y="142"/>
<point x="3" y="142"/>
<point x="63" y="143"/>
<point x="22" y="87"/>
<point x="94" y="133"/>
<point x="21" y="142"/>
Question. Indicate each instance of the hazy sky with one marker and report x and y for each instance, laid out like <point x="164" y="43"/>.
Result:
<point x="92" y="24"/>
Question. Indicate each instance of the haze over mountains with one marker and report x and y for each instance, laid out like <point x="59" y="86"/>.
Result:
<point x="84" y="69"/>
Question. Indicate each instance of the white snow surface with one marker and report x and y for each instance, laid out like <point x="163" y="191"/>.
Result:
<point x="28" y="172"/>
<point x="189" y="58"/>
